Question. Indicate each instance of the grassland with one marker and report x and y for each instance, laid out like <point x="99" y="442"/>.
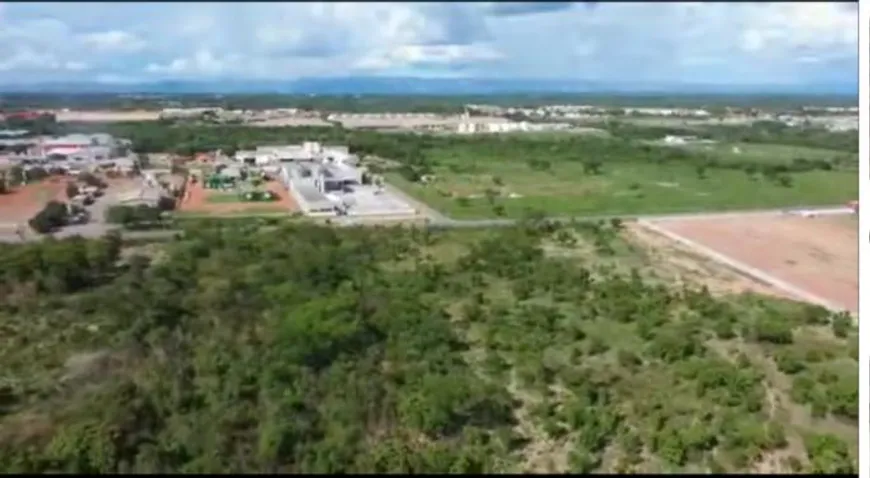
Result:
<point x="251" y="210"/>
<point x="471" y="180"/>
<point x="764" y="153"/>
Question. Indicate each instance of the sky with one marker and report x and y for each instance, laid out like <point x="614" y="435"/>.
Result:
<point x="709" y="43"/>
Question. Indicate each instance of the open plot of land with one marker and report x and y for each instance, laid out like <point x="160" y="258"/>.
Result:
<point x="22" y="203"/>
<point x="290" y="121"/>
<point x="106" y="116"/>
<point x="463" y="175"/>
<point x="816" y="258"/>
<point x="199" y="200"/>
<point x="413" y="121"/>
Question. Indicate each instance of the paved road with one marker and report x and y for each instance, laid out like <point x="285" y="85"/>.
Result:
<point x="439" y="221"/>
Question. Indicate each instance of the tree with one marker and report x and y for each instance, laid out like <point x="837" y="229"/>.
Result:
<point x="35" y="174"/>
<point x="784" y="180"/>
<point x="592" y="166"/>
<point x="50" y="218"/>
<point x="829" y="455"/>
<point x="91" y="180"/>
<point x="15" y="176"/>
<point x="71" y="190"/>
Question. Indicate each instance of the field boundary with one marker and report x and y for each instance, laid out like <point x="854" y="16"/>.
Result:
<point x="741" y="267"/>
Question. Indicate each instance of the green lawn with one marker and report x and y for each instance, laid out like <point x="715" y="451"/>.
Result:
<point x="623" y="187"/>
<point x="253" y="211"/>
<point x="222" y="197"/>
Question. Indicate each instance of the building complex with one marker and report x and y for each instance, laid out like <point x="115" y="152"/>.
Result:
<point x="324" y="180"/>
<point x="73" y="153"/>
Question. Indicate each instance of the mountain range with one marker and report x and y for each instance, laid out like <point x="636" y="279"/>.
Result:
<point x="424" y="86"/>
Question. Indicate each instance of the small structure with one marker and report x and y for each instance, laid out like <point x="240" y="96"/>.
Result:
<point x="219" y="181"/>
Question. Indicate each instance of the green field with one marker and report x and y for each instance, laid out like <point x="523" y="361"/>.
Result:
<point x="766" y="153"/>
<point x="632" y="179"/>
<point x="222" y="197"/>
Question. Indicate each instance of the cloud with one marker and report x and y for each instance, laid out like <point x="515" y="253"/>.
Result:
<point x="27" y="60"/>
<point x="113" y="41"/>
<point x="671" y="42"/>
<point x="429" y="55"/>
<point x="525" y="8"/>
<point x="203" y="62"/>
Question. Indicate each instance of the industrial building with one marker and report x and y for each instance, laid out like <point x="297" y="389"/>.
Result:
<point x="74" y="153"/>
<point x="324" y="180"/>
<point x="509" y="127"/>
<point x="308" y="151"/>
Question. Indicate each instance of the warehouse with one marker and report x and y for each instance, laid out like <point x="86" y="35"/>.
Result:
<point x="93" y="147"/>
<point x="299" y="180"/>
<point x="305" y="152"/>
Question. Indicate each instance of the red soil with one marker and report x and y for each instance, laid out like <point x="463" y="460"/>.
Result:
<point x="22" y="203"/>
<point x="818" y="255"/>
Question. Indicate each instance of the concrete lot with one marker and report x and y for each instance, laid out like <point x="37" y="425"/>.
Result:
<point x="365" y="202"/>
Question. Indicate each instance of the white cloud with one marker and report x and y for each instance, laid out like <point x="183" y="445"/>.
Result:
<point x="690" y="42"/>
<point x="29" y="60"/>
<point x="415" y="55"/>
<point x="203" y="62"/>
<point x="76" y="66"/>
<point x="113" y="41"/>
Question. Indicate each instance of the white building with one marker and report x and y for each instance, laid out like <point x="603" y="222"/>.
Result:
<point x="308" y="151"/>
<point x="83" y="147"/>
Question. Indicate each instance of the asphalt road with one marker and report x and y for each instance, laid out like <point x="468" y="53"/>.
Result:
<point x="435" y="220"/>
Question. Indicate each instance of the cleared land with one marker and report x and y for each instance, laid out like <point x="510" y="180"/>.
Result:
<point x="413" y="122"/>
<point x="290" y="121"/>
<point x="199" y="200"/>
<point x="22" y="203"/>
<point x="475" y="180"/>
<point x="106" y="116"/>
<point x="817" y="255"/>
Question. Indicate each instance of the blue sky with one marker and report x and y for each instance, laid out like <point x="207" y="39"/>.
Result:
<point x="718" y="43"/>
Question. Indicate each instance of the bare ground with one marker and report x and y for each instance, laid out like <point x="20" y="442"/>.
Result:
<point x="818" y="255"/>
<point x="681" y="265"/>
<point x="106" y="116"/>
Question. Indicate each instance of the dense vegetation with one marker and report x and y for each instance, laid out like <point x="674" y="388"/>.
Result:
<point x="298" y="348"/>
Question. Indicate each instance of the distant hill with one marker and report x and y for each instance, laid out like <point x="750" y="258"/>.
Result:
<point x="422" y="86"/>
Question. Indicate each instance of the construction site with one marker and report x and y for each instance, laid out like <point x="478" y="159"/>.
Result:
<point x="783" y="252"/>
